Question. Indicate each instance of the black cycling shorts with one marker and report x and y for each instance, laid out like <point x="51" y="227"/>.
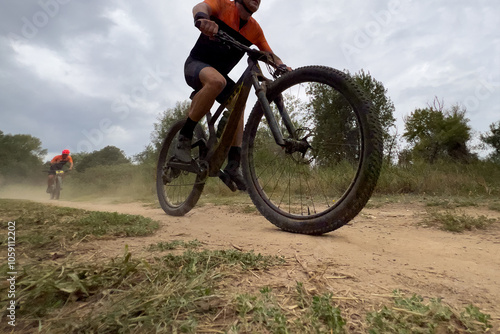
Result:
<point x="192" y="69"/>
<point x="57" y="166"/>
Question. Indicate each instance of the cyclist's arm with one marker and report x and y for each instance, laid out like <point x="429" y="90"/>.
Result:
<point x="277" y="60"/>
<point x="262" y="44"/>
<point x="201" y="14"/>
<point x="70" y="163"/>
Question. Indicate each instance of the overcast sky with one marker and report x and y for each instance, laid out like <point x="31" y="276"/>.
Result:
<point x="86" y="74"/>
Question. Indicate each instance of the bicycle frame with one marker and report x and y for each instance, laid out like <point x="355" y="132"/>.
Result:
<point x="251" y="77"/>
<point x="59" y="177"/>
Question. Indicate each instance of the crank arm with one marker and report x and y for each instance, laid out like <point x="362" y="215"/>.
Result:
<point x="191" y="167"/>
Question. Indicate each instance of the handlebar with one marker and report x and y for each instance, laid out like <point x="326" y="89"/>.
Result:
<point x="263" y="56"/>
<point x="224" y="38"/>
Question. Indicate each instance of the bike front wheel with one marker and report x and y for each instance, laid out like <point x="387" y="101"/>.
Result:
<point x="178" y="190"/>
<point x="55" y="191"/>
<point x="327" y="173"/>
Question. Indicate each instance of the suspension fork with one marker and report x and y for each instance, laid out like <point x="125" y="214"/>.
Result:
<point x="280" y="104"/>
<point x="260" y="91"/>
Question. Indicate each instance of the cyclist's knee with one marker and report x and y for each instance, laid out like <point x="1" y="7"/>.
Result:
<point x="213" y="80"/>
<point x="217" y="84"/>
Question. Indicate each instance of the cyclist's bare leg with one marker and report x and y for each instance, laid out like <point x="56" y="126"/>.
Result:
<point x="213" y="84"/>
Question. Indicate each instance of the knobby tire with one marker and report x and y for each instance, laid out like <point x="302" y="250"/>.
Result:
<point x="302" y="217"/>
<point x="181" y="195"/>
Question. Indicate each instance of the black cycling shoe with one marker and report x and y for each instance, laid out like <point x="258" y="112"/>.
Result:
<point x="182" y="150"/>
<point x="236" y="176"/>
<point x="227" y="180"/>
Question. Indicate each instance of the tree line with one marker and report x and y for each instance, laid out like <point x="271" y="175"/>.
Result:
<point x="22" y="158"/>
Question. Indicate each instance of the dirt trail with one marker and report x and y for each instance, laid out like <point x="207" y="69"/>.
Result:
<point x="383" y="249"/>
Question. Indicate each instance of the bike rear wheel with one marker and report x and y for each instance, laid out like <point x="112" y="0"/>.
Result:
<point x="324" y="179"/>
<point x="178" y="191"/>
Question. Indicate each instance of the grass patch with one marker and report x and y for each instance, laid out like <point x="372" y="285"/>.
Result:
<point x="175" y="244"/>
<point x="454" y="222"/>
<point x="378" y="201"/>
<point x="41" y="227"/>
<point x="413" y="315"/>
<point x="195" y="292"/>
<point x="304" y="313"/>
<point x="451" y="204"/>
<point x="174" y="293"/>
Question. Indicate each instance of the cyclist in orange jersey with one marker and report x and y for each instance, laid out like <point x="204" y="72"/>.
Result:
<point x="207" y="67"/>
<point x="56" y="164"/>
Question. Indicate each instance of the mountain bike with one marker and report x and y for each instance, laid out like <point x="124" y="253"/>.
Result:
<point x="56" y="187"/>
<point x="312" y="147"/>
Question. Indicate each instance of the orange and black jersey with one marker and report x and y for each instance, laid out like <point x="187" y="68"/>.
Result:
<point x="222" y="57"/>
<point x="58" y="161"/>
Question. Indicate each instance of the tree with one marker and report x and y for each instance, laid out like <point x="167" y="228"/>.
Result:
<point x="108" y="156"/>
<point x="335" y="123"/>
<point x="21" y="156"/>
<point x="147" y="156"/>
<point x="79" y="156"/>
<point x="161" y="127"/>
<point x="493" y="139"/>
<point x="166" y="120"/>
<point x="383" y="105"/>
<point x="435" y="133"/>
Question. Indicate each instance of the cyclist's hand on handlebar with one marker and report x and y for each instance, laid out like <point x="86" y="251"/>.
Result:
<point x="284" y="68"/>
<point x="281" y="69"/>
<point x="207" y="27"/>
<point x="278" y="63"/>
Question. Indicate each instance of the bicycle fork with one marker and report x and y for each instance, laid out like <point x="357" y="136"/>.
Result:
<point x="260" y="91"/>
<point x="293" y="143"/>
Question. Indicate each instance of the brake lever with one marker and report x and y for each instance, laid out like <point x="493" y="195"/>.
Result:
<point x="280" y="70"/>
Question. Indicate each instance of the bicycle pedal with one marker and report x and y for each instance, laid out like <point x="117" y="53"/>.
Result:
<point x="227" y="181"/>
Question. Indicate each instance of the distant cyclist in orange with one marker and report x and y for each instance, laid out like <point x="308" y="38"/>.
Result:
<point x="209" y="63"/>
<point x="57" y="163"/>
